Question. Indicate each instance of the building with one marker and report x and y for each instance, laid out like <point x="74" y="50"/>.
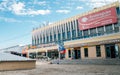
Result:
<point x="91" y="35"/>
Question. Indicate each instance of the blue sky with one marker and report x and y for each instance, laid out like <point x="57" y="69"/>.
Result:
<point x="19" y="17"/>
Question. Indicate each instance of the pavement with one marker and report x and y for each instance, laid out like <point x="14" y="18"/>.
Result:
<point x="44" y="68"/>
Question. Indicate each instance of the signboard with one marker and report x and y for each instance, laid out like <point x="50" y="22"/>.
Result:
<point x="103" y="17"/>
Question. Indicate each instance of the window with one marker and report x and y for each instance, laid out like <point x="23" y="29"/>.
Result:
<point x="54" y="37"/>
<point x="93" y="32"/>
<point x="116" y="27"/>
<point x="63" y="35"/>
<point x="86" y="52"/>
<point x="69" y="53"/>
<point x="73" y="34"/>
<point x="47" y="39"/>
<point x="109" y="29"/>
<point x="98" y="51"/>
<point x="118" y="11"/>
<point x="80" y="34"/>
<point x="100" y="30"/>
<point x="59" y="36"/>
<point x="68" y="35"/>
<point x="85" y="32"/>
<point x="37" y="41"/>
<point x="50" y="38"/>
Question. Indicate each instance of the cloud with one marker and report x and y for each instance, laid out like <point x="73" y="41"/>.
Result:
<point x="99" y="3"/>
<point x="19" y="9"/>
<point x="79" y="7"/>
<point x="8" y="19"/>
<point x="63" y="11"/>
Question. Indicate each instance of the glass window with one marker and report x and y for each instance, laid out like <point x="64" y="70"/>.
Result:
<point x="85" y="33"/>
<point x="59" y="36"/>
<point x="86" y="52"/>
<point x="118" y="11"/>
<point x="93" y="32"/>
<point x="100" y="30"/>
<point x="43" y="39"/>
<point x="68" y="35"/>
<point x="116" y="27"/>
<point x="47" y="39"/>
<point x="63" y="35"/>
<point x="50" y="38"/>
<point x="98" y="51"/>
<point x="69" y="53"/>
<point x="54" y="37"/>
<point x="35" y="41"/>
<point x="109" y="29"/>
<point x="73" y="34"/>
<point x="80" y="34"/>
<point x="38" y="41"/>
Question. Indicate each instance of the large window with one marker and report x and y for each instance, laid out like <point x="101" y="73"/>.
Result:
<point x="73" y="34"/>
<point x="63" y="36"/>
<point x="55" y="37"/>
<point x="80" y="34"/>
<point x="100" y="30"/>
<point x="109" y="29"/>
<point x="86" y="34"/>
<point x="69" y="53"/>
<point x="59" y="37"/>
<point x="98" y="51"/>
<point x="86" y="52"/>
<point x="68" y="35"/>
<point x="116" y="27"/>
<point x="118" y="11"/>
<point x="93" y="32"/>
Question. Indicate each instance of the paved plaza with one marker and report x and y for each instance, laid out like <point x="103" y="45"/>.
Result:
<point x="44" y="68"/>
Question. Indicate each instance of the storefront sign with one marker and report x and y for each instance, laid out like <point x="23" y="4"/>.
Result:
<point x="103" y="17"/>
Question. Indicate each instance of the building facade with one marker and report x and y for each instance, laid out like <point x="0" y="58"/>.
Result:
<point x="92" y="35"/>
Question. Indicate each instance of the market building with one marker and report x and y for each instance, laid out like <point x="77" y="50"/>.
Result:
<point x="91" y="35"/>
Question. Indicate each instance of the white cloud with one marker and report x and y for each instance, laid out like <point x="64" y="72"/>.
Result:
<point x="99" y="3"/>
<point x="37" y="12"/>
<point x="79" y="7"/>
<point x="19" y="9"/>
<point x="63" y="11"/>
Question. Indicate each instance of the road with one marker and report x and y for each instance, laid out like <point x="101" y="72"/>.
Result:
<point x="58" y="69"/>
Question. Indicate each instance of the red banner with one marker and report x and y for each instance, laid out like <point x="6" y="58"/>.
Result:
<point x="103" y="17"/>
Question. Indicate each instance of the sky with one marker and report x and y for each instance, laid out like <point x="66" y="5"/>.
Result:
<point x="19" y="17"/>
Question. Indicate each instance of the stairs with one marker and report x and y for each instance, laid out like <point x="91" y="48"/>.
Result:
<point x="88" y="61"/>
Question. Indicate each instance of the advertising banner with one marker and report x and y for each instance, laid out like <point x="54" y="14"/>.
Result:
<point x="103" y="17"/>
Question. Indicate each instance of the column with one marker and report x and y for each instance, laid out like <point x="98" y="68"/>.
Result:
<point x="76" y="28"/>
<point x="70" y="30"/>
<point x="119" y="49"/>
<point x="28" y="54"/>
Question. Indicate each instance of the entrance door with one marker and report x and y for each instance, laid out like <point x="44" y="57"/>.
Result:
<point x="77" y="54"/>
<point x="110" y="51"/>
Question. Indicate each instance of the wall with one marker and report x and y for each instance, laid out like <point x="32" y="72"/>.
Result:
<point x="16" y="65"/>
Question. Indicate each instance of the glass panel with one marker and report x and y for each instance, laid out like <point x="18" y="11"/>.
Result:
<point x="86" y="52"/>
<point x="98" y="51"/>
<point x="109" y="29"/>
<point x="100" y="30"/>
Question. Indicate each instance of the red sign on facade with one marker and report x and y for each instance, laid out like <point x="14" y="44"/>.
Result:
<point x="104" y="17"/>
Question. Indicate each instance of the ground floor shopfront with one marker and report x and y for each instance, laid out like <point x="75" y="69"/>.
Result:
<point x="92" y="48"/>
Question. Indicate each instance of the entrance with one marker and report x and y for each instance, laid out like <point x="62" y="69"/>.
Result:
<point x="111" y="51"/>
<point x="76" y="54"/>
